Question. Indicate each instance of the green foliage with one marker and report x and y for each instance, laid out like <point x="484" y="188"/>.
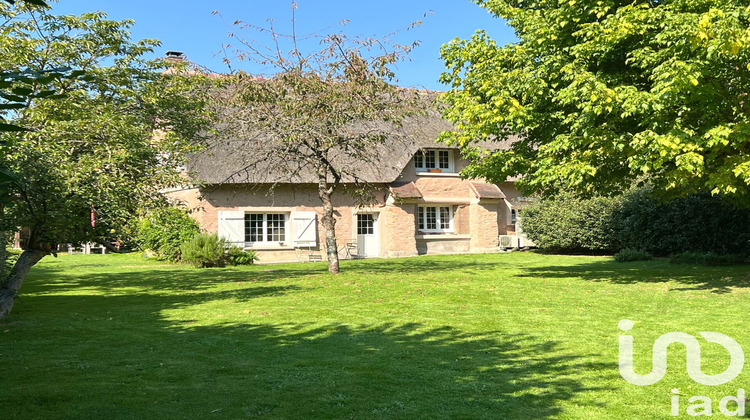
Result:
<point x="605" y="93"/>
<point x="707" y="258"/>
<point x="93" y="148"/>
<point x="164" y="231"/>
<point x="628" y="255"/>
<point x="638" y="221"/>
<point x="572" y="224"/>
<point x="208" y="250"/>
<point x="237" y="256"/>
<point x="698" y="222"/>
<point x="204" y="250"/>
<point x="11" y="256"/>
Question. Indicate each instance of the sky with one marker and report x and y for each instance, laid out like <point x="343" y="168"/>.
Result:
<point x="190" y="26"/>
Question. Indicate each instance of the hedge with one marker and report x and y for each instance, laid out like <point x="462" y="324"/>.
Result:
<point x="638" y="221"/>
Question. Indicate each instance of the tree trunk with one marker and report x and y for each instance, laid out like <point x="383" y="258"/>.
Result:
<point x="329" y="224"/>
<point x="11" y="286"/>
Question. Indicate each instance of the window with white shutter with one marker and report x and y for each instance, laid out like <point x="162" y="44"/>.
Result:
<point x="232" y="227"/>
<point x="304" y="229"/>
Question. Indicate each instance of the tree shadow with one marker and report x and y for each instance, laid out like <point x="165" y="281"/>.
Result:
<point x="715" y="279"/>
<point x="141" y="355"/>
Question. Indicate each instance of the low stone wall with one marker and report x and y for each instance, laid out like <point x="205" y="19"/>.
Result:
<point x="443" y="244"/>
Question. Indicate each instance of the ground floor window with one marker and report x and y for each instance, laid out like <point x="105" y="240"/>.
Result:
<point x="265" y="227"/>
<point x="435" y="218"/>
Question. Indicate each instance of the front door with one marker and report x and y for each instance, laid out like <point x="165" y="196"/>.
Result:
<point x="367" y="235"/>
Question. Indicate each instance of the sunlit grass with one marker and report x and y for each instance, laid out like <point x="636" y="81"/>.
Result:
<point x="515" y="335"/>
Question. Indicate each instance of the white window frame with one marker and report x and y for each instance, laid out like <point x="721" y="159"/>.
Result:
<point x="264" y="232"/>
<point x="438" y="219"/>
<point x="513" y="216"/>
<point x="422" y="166"/>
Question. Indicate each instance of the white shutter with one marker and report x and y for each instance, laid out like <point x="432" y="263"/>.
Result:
<point x="232" y="227"/>
<point x="304" y="228"/>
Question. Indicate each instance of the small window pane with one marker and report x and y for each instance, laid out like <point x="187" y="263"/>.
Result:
<point x="420" y="217"/>
<point x="253" y="227"/>
<point x="276" y="229"/>
<point x="444" y="160"/>
<point x="431" y="218"/>
<point x="429" y="157"/>
<point x="419" y="160"/>
<point x="445" y="218"/>
<point x="365" y="224"/>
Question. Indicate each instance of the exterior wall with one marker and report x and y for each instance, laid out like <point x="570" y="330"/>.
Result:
<point x="205" y="205"/>
<point x="511" y="202"/>
<point x="461" y="220"/>
<point x="398" y="223"/>
<point x="476" y="223"/>
<point x="434" y="244"/>
<point x="484" y="230"/>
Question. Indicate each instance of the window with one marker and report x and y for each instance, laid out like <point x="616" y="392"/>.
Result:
<point x="435" y="218"/>
<point x="265" y="227"/>
<point x="434" y="159"/>
<point x="365" y="224"/>
<point x="513" y="216"/>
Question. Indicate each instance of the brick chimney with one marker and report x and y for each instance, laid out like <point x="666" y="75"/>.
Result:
<point x="175" y="56"/>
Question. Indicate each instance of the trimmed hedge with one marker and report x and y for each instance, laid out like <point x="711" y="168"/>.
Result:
<point x="571" y="224"/>
<point x="638" y="221"/>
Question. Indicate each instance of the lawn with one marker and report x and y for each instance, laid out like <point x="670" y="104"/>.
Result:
<point x="517" y="335"/>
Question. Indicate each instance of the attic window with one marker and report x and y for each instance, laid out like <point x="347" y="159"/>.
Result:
<point x="441" y="159"/>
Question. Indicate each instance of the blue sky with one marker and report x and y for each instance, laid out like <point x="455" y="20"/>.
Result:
<point x="189" y="25"/>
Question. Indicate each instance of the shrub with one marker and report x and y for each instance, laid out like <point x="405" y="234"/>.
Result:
<point x="639" y="221"/>
<point x="707" y="258"/>
<point x="627" y="255"/>
<point x="204" y="250"/>
<point x="11" y="256"/>
<point x="237" y="256"/>
<point x="698" y="223"/>
<point x="163" y="231"/>
<point x="571" y="224"/>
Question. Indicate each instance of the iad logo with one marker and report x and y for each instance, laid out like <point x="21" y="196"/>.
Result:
<point x="700" y="405"/>
<point x="693" y="362"/>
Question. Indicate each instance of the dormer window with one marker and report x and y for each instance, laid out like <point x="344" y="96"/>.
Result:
<point x="435" y="159"/>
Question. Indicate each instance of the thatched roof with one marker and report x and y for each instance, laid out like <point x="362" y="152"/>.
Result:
<point x="242" y="161"/>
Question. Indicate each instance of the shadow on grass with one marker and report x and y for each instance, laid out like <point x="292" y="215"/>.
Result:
<point x="714" y="279"/>
<point x="141" y="355"/>
<point x="291" y="370"/>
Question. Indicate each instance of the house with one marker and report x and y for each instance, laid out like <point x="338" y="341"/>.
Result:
<point x="420" y="205"/>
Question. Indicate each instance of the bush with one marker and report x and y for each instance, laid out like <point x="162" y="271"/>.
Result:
<point x="204" y="250"/>
<point x="163" y="231"/>
<point x="571" y="224"/>
<point x="707" y="258"/>
<point x="208" y="250"/>
<point x="627" y="255"/>
<point x="11" y="257"/>
<point x="695" y="223"/>
<point x="638" y="221"/>
<point x="237" y="256"/>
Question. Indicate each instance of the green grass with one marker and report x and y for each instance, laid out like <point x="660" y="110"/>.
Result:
<point x="517" y="335"/>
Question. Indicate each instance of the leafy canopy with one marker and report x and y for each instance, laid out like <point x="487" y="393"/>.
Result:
<point x="605" y="93"/>
<point x="110" y="141"/>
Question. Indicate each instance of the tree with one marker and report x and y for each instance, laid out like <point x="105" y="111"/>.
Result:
<point x="322" y="116"/>
<point x="90" y="159"/>
<point x="604" y="94"/>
